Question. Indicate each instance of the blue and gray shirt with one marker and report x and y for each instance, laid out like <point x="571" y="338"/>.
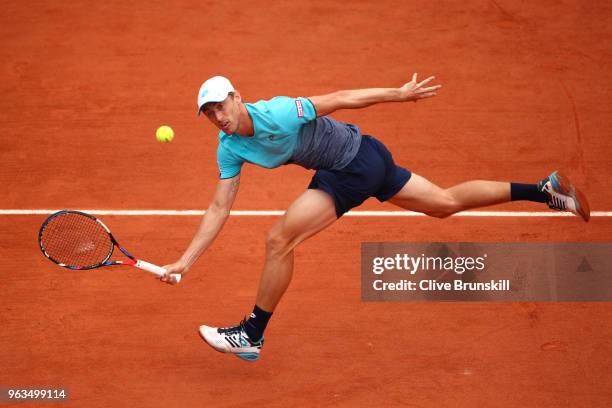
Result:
<point x="287" y="131"/>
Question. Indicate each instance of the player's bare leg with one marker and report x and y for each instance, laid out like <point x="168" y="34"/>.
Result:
<point x="312" y="212"/>
<point x="421" y="195"/>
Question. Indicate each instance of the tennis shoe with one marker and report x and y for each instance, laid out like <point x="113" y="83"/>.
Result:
<point x="232" y="340"/>
<point x="563" y="196"/>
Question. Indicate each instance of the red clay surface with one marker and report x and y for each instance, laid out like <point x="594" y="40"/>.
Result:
<point x="83" y="89"/>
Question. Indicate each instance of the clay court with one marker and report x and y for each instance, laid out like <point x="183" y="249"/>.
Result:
<point x="84" y="86"/>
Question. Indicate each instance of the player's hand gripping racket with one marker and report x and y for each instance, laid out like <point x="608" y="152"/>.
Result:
<point x="76" y="240"/>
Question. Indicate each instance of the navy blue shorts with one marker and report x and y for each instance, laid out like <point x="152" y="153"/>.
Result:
<point x="372" y="173"/>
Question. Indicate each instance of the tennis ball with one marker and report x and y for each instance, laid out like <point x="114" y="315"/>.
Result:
<point x="164" y="134"/>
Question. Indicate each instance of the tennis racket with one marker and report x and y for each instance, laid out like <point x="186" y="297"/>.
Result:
<point x="76" y="240"/>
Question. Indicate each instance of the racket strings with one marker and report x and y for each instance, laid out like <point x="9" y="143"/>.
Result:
<point x="76" y="240"/>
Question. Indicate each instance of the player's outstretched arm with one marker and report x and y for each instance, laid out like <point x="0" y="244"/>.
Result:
<point x="212" y="222"/>
<point x="361" y="98"/>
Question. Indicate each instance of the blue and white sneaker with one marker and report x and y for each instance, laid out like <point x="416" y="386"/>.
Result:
<point x="232" y="340"/>
<point x="563" y="196"/>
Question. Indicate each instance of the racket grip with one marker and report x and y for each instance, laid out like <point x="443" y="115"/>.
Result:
<point x="157" y="270"/>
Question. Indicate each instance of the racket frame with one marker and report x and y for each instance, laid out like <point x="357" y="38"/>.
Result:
<point x="132" y="260"/>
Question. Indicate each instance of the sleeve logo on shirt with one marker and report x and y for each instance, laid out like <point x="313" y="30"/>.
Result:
<point x="300" y="108"/>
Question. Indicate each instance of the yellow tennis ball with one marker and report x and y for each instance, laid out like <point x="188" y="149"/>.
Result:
<point x="164" y="134"/>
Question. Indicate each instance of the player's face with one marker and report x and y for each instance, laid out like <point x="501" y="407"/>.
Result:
<point x="224" y="115"/>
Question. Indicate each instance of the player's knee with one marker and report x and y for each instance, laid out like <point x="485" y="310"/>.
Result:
<point x="276" y="242"/>
<point x="446" y="206"/>
<point x="439" y="213"/>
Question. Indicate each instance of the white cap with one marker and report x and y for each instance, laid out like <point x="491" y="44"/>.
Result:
<point x="215" y="89"/>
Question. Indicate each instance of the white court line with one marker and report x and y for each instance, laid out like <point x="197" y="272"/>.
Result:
<point x="278" y="213"/>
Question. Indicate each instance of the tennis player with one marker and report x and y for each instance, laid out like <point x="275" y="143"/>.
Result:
<point x="350" y="167"/>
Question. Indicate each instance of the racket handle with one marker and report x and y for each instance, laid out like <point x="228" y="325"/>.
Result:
<point x="157" y="270"/>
